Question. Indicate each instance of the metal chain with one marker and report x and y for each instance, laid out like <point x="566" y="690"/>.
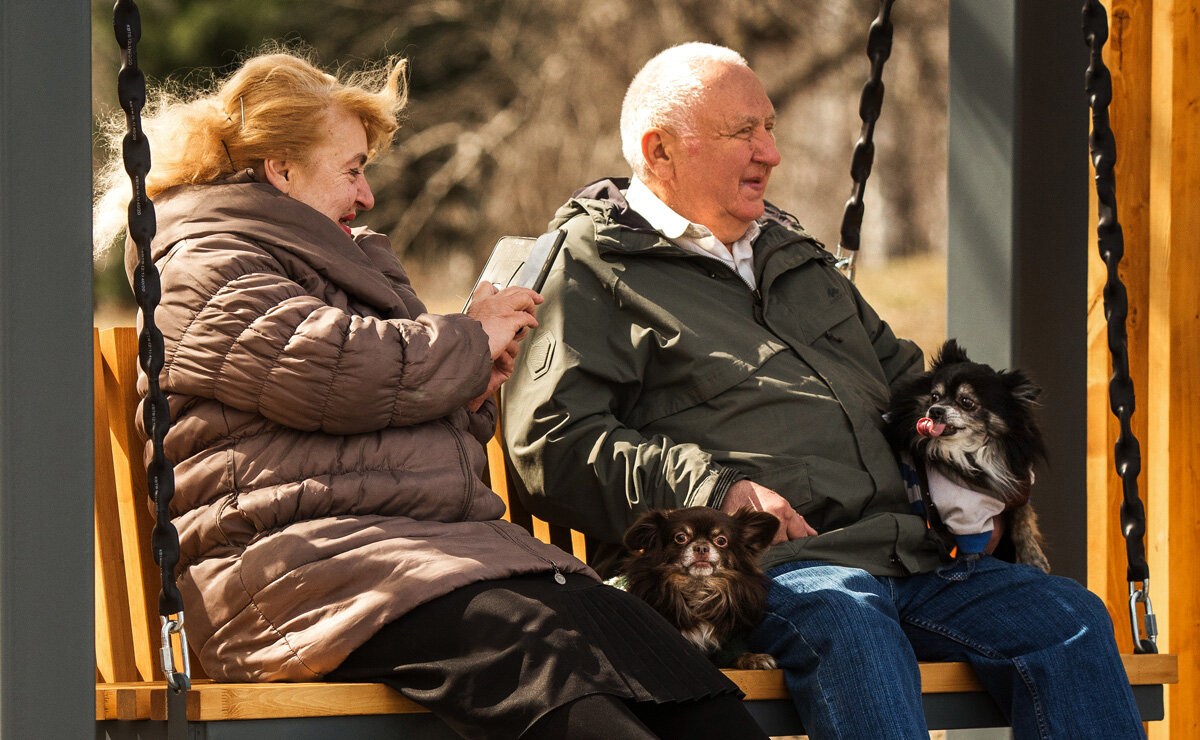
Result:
<point x="156" y="413"/>
<point x="879" y="48"/>
<point x="1111" y="241"/>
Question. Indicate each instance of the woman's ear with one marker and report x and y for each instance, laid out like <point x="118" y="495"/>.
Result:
<point x="277" y="172"/>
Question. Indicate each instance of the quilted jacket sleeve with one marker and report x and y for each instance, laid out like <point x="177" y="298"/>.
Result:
<point x="240" y="331"/>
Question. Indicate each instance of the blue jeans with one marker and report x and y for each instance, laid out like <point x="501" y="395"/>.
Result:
<point x="849" y="643"/>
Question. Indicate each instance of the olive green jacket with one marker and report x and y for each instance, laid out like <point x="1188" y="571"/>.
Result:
<point x="657" y="378"/>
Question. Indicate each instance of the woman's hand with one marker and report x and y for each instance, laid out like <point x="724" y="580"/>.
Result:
<point x="504" y="314"/>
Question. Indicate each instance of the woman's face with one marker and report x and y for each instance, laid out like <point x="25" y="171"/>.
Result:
<point x="330" y="178"/>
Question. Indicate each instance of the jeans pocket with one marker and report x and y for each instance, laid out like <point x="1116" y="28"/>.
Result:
<point x="959" y="570"/>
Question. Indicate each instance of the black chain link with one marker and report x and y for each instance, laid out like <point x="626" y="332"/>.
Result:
<point x="156" y="413"/>
<point x="879" y="48"/>
<point x="1111" y="241"/>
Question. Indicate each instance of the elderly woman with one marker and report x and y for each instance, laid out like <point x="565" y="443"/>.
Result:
<point x="328" y="433"/>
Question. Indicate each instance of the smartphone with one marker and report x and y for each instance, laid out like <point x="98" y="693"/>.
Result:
<point x="520" y="260"/>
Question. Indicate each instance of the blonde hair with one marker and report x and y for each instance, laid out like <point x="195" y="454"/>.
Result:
<point x="265" y="109"/>
<point x="664" y="94"/>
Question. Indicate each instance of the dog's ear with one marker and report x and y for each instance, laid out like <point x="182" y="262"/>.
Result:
<point x="949" y="354"/>
<point x="1022" y="387"/>
<point x="645" y="531"/>
<point x="758" y="528"/>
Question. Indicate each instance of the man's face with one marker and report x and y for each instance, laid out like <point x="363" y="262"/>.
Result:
<point x="719" y="173"/>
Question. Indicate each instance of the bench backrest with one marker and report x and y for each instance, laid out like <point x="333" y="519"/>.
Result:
<point x="127" y="578"/>
<point x="500" y="480"/>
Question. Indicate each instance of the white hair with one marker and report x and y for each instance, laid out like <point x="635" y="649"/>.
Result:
<point x="664" y="94"/>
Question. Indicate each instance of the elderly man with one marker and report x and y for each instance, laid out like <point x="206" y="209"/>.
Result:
<point x="697" y="347"/>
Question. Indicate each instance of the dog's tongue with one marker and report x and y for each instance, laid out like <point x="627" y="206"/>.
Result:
<point x="927" y="427"/>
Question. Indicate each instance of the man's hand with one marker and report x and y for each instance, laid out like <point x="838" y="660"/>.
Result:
<point x="748" y="493"/>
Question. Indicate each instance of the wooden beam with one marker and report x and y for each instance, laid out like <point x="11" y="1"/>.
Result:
<point x="1154" y="64"/>
<point x="1173" y="451"/>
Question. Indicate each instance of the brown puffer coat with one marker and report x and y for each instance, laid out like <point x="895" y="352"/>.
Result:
<point x="327" y="470"/>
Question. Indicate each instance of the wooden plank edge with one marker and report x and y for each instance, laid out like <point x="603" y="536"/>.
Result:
<point x="126" y="700"/>
<point x="208" y="701"/>
<point x="1151" y="669"/>
<point x="946" y="678"/>
<point x="265" y="700"/>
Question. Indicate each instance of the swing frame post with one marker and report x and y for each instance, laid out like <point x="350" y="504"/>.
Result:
<point x="46" y="583"/>
<point x="1017" y="190"/>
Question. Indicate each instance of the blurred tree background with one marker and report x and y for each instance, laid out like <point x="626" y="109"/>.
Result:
<point x="514" y="104"/>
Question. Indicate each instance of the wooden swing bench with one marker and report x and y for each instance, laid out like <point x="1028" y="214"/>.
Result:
<point x="132" y="699"/>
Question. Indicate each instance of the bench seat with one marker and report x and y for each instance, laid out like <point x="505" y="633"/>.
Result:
<point x="132" y="701"/>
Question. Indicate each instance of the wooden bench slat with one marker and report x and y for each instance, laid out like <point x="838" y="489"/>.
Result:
<point x="118" y="348"/>
<point x="208" y="701"/>
<point x="114" y="637"/>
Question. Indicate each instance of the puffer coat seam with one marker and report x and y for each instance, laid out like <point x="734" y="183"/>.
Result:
<point x="275" y="482"/>
<point x="178" y="348"/>
<point x="333" y="376"/>
<point x="173" y="352"/>
<point x="465" y="468"/>
<point x="251" y="602"/>
<point x="262" y="387"/>
<point x="403" y="362"/>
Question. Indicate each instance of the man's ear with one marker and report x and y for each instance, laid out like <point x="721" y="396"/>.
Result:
<point x="278" y="172"/>
<point x="657" y="150"/>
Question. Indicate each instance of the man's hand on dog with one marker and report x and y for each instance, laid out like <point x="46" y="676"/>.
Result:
<point x="749" y="494"/>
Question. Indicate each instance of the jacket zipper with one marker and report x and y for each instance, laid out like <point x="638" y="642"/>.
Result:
<point x="468" y="477"/>
<point x="559" y="578"/>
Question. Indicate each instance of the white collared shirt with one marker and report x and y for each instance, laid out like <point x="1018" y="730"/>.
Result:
<point x="738" y="256"/>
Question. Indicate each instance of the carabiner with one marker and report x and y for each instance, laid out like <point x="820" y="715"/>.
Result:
<point x="1147" y="645"/>
<point x="177" y="681"/>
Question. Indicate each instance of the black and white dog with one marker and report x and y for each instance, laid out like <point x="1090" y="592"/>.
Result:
<point x="970" y="434"/>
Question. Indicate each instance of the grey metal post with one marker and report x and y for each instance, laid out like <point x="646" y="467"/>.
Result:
<point x="47" y="664"/>
<point x="1018" y="200"/>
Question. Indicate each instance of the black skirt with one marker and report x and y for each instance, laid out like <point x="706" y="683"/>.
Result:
<point x="493" y="657"/>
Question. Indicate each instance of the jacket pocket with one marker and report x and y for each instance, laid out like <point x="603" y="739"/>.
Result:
<point x="698" y="377"/>
<point x="790" y="481"/>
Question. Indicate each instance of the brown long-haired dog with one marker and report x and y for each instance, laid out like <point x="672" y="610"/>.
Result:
<point x="698" y="567"/>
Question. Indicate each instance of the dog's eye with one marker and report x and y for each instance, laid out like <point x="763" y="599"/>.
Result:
<point x="966" y="402"/>
<point x="681" y="538"/>
<point x="935" y="397"/>
<point x="721" y="540"/>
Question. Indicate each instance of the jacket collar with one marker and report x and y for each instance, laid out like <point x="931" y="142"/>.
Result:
<point x="620" y="229"/>
<point x="362" y="265"/>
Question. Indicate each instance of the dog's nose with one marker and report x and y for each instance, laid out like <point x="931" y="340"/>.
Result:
<point x="700" y="550"/>
<point x="937" y="413"/>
